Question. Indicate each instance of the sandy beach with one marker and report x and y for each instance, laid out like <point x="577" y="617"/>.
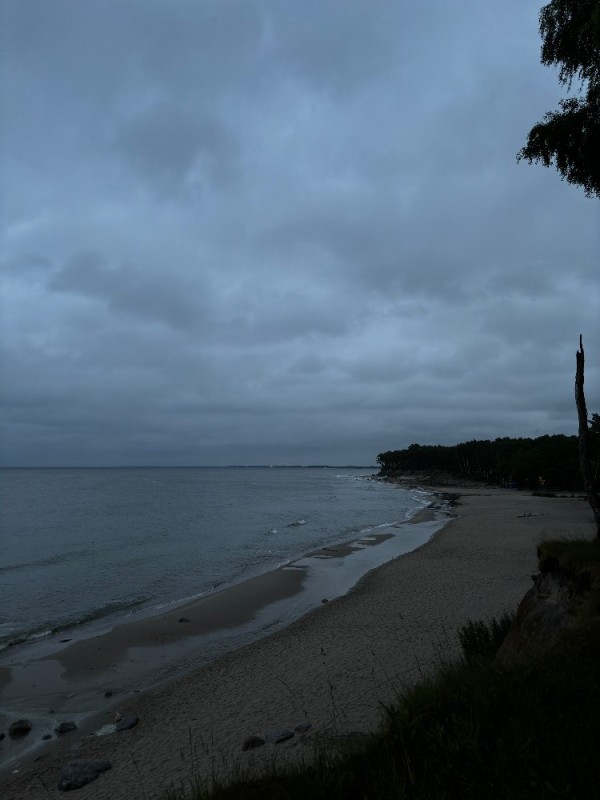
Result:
<point x="332" y="668"/>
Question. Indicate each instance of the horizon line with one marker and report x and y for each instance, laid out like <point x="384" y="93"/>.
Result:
<point x="196" y="466"/>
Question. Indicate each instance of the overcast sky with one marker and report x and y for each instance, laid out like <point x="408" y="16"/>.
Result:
<point x="276" y="231"/>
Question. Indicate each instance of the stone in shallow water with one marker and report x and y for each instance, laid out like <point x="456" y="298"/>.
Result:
<point x="19" y="728"/>
<point x="277" y="735"/>
<point x="65" y="727"/>
<point x="78" y="773"/>
<point x="126" y="723"/>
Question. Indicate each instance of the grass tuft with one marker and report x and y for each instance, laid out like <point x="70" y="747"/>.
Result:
<point x="477" y="729"/>
<point x="480" y="639"/>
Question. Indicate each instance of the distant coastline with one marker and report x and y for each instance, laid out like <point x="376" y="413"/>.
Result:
<point x="549" y="463"/>
<point x="195" y="466"/>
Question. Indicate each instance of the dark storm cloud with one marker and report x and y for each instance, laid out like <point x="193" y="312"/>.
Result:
<point x="168" y="146"/>
<point x="125" y="287"/>
<point x="282" y="232"/>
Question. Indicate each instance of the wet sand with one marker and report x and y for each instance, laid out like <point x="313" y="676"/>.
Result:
<point x="230" y="609"/>
<point x="332" y="668"/>
<point x="66" y="677"/>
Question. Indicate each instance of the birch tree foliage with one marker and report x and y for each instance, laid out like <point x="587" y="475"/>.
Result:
<point x="569" y="138"/>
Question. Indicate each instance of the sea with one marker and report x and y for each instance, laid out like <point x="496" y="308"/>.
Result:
<point x="79" y="546"/>
<point x="83" y="551"/>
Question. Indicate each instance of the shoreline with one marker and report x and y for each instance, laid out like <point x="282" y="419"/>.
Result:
<point x="80" y="678"/>
<point x="331" y="668"/>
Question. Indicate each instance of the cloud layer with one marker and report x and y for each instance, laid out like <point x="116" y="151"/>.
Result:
<point x="280" y="232"/>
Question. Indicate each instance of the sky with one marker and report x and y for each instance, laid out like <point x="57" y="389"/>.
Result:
<point x="282" y="232"/>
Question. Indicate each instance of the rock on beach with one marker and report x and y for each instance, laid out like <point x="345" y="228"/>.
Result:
<point x="79" y="773"/>
<point x="19" y="728"/>
<point x="252" y="742"/>
<point x="65" y="727"/>
<point x="277" y="735"/>
<point x="126" y="723"/>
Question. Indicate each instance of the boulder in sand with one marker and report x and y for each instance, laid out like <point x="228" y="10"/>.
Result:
<point x="19" y="729"/>
<point x="252" y="741"/>
<point x="126" y="723"/>
<point x="65" y="727"/>
<point x="277" y="735"/>
<point x="78" y="773"/>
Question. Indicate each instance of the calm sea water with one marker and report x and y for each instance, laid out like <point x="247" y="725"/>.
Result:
<point x="84" y="545"/>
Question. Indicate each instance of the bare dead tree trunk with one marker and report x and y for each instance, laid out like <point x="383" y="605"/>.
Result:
<point x="584" y="460"/>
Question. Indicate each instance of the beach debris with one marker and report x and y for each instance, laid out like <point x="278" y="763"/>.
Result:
<point x="46" y="736"/>
<point x="2" y="735"/>
<point x="277" y="735"/>
<point x="19" y="728"/>
<point x="65" y="727"/>
<point x="530" y="514"/>
<point x="303" y="727"/>
<point x="184" y="619"/>
<point x="126" y="723"/>
<point x="251" y="742"/>
<point x="78" y="773"/>
<point x="108" y="693"/>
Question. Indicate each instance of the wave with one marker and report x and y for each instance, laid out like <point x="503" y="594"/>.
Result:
<point x="44" y="562"/>
<point x="107" y="609"/>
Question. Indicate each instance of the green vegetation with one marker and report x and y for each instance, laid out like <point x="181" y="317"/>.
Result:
<point x="574" y="555"/>
<point x="478" y="728"/>
<point x="504" y="461"/>
<point x="569" y="139"/>
<point x="482" y="640"/>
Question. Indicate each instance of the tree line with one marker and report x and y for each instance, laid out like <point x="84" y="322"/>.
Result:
<point x="549" y="463"/>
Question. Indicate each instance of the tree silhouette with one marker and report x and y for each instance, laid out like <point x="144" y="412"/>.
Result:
<point x="589" y="471"/>
<point x="570" y="138"/>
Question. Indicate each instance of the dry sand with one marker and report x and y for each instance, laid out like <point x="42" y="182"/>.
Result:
<point x="332" y="668"/>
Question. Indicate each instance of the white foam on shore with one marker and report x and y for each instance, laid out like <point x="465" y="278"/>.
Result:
<point x="327" y="578"/>
<point x="333" y="576"/>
